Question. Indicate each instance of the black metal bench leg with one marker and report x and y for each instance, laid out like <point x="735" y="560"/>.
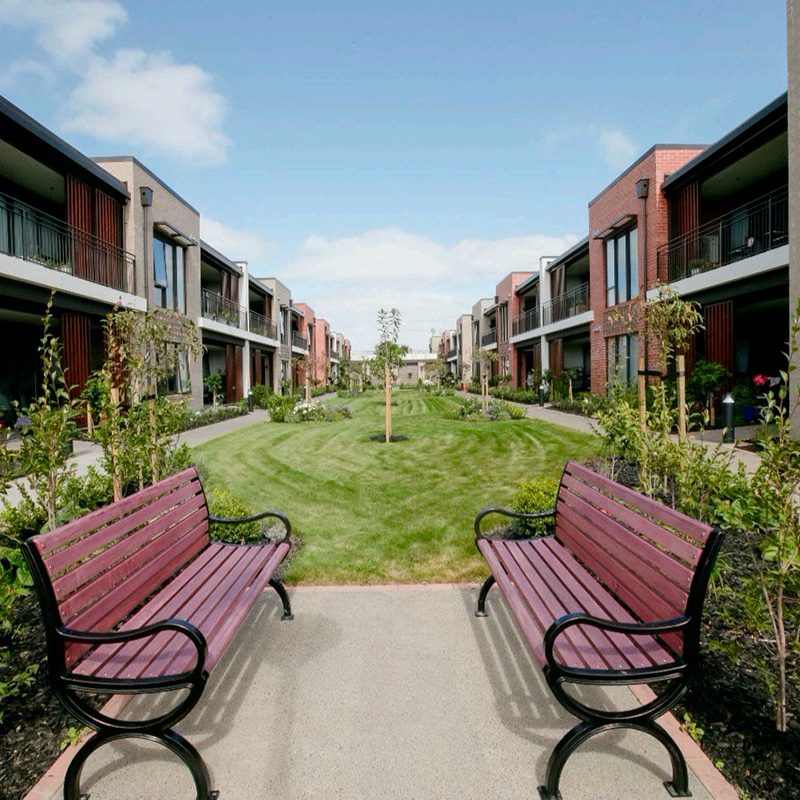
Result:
<point x="677" y="787"/>
<point x="284" y="596"/>
<point x="171" y="740"/>
<point x="487" y="584"/>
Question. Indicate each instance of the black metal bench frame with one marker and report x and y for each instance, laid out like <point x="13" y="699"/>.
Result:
<point x="674" y="677"/>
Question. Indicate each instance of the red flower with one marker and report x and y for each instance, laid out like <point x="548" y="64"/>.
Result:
<point x="760" y="380"/>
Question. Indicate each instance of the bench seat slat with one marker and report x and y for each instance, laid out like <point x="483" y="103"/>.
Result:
<point x="581" y="591"/>
<point x="669" y="578"/>
<point x="684" y="549"/>
<point x="117" y="560"/>
<point x="179" y="598"/>
<point x="133" y="572"/>
<point x="628" y="585"/>
<point x="135" y="590"/>
<point x="104" y="537"/>
<point x="603" y="604"/>
<point x="215" y="597"/>
<point x="49" y="543"/>
<point x="574" y="589"/>
<point x="699" y="531"/>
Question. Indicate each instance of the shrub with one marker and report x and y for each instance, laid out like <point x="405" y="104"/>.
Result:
<point x="223" y="503"/>
<point x="516" y="395"/>
<point x="317" y="412"/>
<point x="208" y="416"/>
<point x="280" y="407"/>
<point x="465" y="409"/>
<point x="500" y="410"/>
<point x="260" y="394"/>
<point x="538" y="494"/>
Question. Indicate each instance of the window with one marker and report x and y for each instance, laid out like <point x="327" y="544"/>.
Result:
<point x="622" y="268"/>
<point x="178" y="381"/>
<point x="169" y="275"/>
<point x="623" y="359"/>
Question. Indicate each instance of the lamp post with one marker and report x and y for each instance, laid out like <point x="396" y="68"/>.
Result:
<point x="542" y="390"/>
<point x="729" y="434"/>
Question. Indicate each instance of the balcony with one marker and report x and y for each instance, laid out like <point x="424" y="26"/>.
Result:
<point x="262" y="326"/>
<point x="570" y="304"/>
<point x="746" y="231"/>
<point x="300" y="341"/>
<point x="525" y="322"/>
<point x="451" y="354"/>
<point x="34" y="236"/>
<point x="489" y="338"/>
<point x="220" y="309"/>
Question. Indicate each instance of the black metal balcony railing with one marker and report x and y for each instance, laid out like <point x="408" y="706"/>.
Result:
<point x="262" y="326"/>
<point x="741" y="233"/>
<point x="220" y="309"/>
<point x="32" y="235"/>
<point x="570" y="304"/>
<point x="525" y="322"/>
<point x="299" y="341"/>
<point x="451" y="354"/>
<point x="489" y="338"/>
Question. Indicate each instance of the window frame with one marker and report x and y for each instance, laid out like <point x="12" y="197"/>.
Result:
<point x="617" y="272"/>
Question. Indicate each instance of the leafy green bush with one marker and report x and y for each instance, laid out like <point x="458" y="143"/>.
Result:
<point x="260" y="394"/>
<point x="208" y="416"/>
<point x="516" y="395"/>
<point x="466" y="408"/>
<point x="223" y="503"/>
<point x="318" y="412"/>
<point x="500" y="410"/>
<point x="538" y="494"/>
<point x="280" y="407"/>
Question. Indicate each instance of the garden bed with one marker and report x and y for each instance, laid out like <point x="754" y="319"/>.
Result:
<point x="34" y="724"/>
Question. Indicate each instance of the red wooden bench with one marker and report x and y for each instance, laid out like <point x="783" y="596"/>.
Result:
<point x="137" y="598"/>
<point x="613" y="597"/>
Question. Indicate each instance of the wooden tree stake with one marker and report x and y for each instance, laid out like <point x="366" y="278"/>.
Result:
<point x="680" y="366"/>
<point x="642" y="394"/>
<point x="388" y="395"/>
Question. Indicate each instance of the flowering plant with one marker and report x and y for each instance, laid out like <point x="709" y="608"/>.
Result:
<point x="760" y="380"/>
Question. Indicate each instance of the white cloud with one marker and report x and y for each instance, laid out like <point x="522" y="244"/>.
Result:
<point x="65" y="29"/>
<point x="148" y="101"/>
<point x="347" y="280"/>
<point x="137" y="100"/>
<point x="238" y="244"/>
<point x="17" y="72"/>
<point x="616" y="148"/>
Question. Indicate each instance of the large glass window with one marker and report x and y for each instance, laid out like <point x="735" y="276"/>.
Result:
<point x="169" y="275"/>
<point x="623" y="359"/>
<point x="622" y="268"/>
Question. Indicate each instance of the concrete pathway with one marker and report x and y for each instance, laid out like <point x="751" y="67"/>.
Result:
<point x="391" y="693"/>
<point x="711" y="439"/>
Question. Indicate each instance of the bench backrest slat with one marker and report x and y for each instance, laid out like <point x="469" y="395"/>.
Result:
<point x="104" y="565"/>
<point x="645" y="552"/>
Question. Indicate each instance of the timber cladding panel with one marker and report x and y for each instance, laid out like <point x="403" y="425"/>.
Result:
<point x="75" y="341"/>
<point x="719" y="333"/>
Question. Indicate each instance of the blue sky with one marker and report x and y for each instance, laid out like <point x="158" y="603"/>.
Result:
<point x="397" y="156"/>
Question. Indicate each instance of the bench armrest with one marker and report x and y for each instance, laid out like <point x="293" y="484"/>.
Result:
<point x="194" y="635"/>
<point x="254" y="518"/>
<point x="507" y="512"/>
<point x="580" y="618"/>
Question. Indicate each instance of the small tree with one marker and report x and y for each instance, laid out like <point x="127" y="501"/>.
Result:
<point x="47" y="439"/>
<point x="388" y="357"/>
<point x="486" y="359"/>
<point x="213" y="383"/>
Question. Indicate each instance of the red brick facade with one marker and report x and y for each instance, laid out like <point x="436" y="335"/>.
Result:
<point x="611" y="206"/>
<point x="504" y="294"/>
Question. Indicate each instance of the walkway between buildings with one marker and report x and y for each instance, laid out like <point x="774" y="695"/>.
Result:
<point x="385" y="693"/>
<point x="710" y="439"/>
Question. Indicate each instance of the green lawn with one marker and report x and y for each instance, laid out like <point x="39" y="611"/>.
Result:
<point x="372" y="513"/>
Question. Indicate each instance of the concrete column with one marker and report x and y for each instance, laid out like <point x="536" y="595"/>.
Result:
<point x="244" y="302"/>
